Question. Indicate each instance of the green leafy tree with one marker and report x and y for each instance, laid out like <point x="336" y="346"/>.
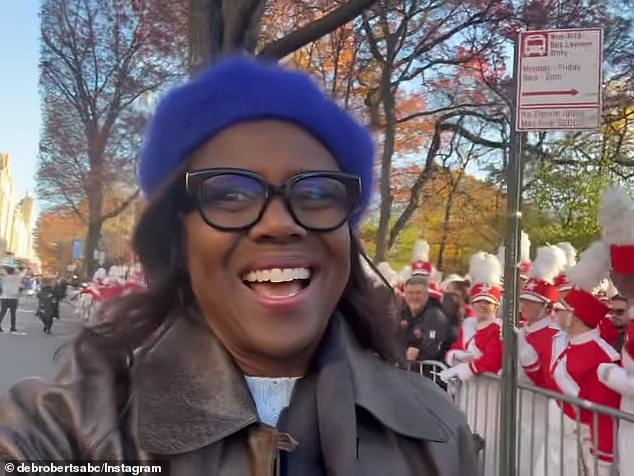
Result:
<point x="565" y="200"/>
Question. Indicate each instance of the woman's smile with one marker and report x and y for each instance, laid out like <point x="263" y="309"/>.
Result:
<point x="269" y="289"/>
<point x="281" y="283"/>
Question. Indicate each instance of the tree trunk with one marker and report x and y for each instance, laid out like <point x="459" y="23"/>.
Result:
<point x="217" y="27"/>
<point x="385" y="210"/>
<point x="446" y="224"/>
<point x="426" y="175"/>
<point x="95" y="195"/>
<point x="241" y="25"/>
<point x="202" y="14"/>
<point x="92" y="245"/>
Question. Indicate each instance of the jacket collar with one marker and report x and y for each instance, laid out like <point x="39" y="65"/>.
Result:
<point x="481" y="325"/>
<point x="190" y="394"/>
<point x="585" y="337"/>
<point x="543" y="323"/>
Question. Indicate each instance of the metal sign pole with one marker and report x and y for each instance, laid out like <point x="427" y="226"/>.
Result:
<point x="508" y="414"/>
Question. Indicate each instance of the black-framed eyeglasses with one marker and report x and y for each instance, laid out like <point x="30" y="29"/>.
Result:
<point x="232" y="199"/>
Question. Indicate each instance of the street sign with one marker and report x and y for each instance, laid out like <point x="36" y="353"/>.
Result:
<point x="559" y="80"/>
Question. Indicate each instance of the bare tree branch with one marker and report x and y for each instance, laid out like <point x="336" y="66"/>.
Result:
<point x="121" y="207"/>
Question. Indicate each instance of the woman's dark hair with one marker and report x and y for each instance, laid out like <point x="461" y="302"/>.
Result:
<point x="129" y="322"/>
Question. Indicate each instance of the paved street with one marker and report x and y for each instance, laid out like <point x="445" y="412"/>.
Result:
<point x="32" y="354"/>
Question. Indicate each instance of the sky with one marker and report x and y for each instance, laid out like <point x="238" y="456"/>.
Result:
<point x="19" y="99"/>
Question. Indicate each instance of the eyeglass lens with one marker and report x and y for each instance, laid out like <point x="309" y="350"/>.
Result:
<point x="236" y="201"/>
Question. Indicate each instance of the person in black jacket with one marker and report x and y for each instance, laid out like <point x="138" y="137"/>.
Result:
<point x="46" y="305"/>
<point x="425" y="328"/>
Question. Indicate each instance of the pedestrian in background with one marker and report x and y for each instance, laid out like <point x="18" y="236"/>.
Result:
<point x="11" y="289"/>
<point x="618" y="314"/>
<point x="46" y="305"/>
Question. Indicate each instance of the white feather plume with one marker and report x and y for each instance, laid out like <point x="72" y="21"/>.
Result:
<point x="388" y="273"/>
<point x="571" y="254"/>
<point x="549" y="262"/>
<point x="421" y="251"/>
<point x="384" y="268"/>
<point x="367" y="268"/>
<point x="405" y="273"/>
<point x="525" y="247"/>
<point x="485" y="268"/>
<point x="602" y="287"/>
<point x="593" y="266"/>
<point x="475" y="262"/>
<point x="611" y="289"/>
<point x="436" y="276"/>
<point x="616" y="216"/>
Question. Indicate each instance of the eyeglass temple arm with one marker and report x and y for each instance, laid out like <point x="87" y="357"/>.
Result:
<point x="376" y="270"/>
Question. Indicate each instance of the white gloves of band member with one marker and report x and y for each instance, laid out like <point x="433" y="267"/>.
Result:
<point x="525" y="352"/>
<point x="461" y="372"/>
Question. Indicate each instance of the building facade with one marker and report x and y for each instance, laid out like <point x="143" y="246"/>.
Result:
<point x="16" y="217"/>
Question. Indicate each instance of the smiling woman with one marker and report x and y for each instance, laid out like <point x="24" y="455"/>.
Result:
<point x="258" y="347"/>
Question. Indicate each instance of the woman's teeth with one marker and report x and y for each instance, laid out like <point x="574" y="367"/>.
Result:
<point x="277" y="275"/>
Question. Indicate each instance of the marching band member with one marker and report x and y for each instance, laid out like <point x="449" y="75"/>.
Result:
<point x="535" y="342"/>
<point x="536" y="304"/>
<point x="420" y="262"/>
<point x="479" y="345"/>
<point x="616" y="217"/>
<point x="478" y="349"/>
<point x="575" y="367"/>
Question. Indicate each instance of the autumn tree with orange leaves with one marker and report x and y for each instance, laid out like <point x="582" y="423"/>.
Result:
<point x="56" y="229"/>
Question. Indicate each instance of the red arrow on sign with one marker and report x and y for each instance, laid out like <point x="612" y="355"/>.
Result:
<point x="566" y="92"/>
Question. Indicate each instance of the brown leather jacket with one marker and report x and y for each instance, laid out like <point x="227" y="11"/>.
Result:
<point x="353" y="414"/>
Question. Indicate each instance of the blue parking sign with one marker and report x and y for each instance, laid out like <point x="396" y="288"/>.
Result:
<point x="77" y="249"/>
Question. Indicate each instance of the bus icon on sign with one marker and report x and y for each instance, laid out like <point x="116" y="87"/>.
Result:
<point x="535" y="45"/>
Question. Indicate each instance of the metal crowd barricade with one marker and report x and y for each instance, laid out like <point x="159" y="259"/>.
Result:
<point x="430" y="369"/>
<point x="550" y="443"/>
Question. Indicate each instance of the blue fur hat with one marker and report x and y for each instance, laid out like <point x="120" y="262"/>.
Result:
<point x="240" y="89"/>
